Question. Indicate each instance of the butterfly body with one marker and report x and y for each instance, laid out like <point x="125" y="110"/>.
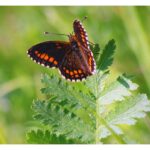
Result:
<point x="74" y="59"/>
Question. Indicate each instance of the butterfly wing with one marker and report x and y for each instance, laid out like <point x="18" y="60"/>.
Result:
<point x="75" y="66"/>
<point x="89" y="58"/>
<point x="50" y="53"/>
<point x="82" y="38"/>
<point x="80" y="33"/>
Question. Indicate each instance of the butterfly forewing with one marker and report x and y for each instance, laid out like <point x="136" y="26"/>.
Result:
<point x="82" y="38"/>
<point x="80" y="33"/>
<point x="49" y="53"/>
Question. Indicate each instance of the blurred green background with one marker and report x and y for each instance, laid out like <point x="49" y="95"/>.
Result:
<point x="22" y="27"/>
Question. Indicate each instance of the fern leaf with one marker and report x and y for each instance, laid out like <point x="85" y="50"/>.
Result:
<point x="63" y="122"/>
<point x="72" y="93"/>
<point x="106" y="57"/>
<point x="117" y="90"/>
<point x="45" y="137"/>
<point x="96" y="51"/>
<point x="125" y="112"/>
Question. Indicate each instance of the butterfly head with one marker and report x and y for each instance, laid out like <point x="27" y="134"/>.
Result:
<point x="73" y="41"/>
<point x="72" y="37"/>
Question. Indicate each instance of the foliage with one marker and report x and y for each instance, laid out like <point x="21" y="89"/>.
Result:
<point x="87" y="112"/>
<point x="45" y="137"/>
<point x="106" y="58"/>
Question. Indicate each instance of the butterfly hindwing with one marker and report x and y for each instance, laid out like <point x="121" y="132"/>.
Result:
<point x="90" y="59"/>
<point x="49" y="53"/>
<point x="75" y="65"/>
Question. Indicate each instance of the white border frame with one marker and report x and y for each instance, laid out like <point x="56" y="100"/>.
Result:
<point x="75" y="2"/>
<point x="75" y="147"/>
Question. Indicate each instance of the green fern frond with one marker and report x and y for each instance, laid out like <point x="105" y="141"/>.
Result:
<point x="117" y="90"/>
<point x="45" y="137"/>
<point x="106" y="57"/>
<point x="62" y="121"/>
<point x="125" y="112"/>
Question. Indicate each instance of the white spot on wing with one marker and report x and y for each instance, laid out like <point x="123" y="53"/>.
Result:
<point x="80" y="23"/>
<point x="68" y="80"/>
<point x="63" y="77"/>
<point x="91" y="54"/>
<point x="86" y="38"/>
<point x="77" y="80"/>
<point x="86" y="34"/>
<point x="83" y="79"/>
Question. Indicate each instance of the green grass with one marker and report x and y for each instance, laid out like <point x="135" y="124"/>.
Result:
<point x="22" y="27"/>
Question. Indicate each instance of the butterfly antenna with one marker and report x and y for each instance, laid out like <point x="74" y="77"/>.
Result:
<point x="84" y="18"/>
<point x="49" y="33"/>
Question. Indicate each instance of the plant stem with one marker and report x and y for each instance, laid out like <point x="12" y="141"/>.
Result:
<point x="97" y="139"/>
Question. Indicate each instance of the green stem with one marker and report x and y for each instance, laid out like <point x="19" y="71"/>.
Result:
<point x="97" y="139"/>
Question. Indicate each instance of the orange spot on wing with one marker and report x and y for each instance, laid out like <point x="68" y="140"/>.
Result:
<point x="55" y="62"/>
<point x="51" y="59"/>
<point x="71" y="73"/>
<point x="90" y="63"/>
<point x="67" y="71"/>
<point x="46" y="57"/>
<point x="83" y="39"/>
<point x="42" y="56"/>
<point x="80" y="71"/>
<point x="38" y="54"/>
<point x="75" y="72"/>
<point x="82" y="36"/>
<point x="82" y="33"/>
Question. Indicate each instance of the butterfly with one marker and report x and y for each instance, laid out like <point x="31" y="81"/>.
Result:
<point x="74" y="58"/>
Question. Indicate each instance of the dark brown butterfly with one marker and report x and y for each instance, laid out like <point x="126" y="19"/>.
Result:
<point x="74" y="58"/>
